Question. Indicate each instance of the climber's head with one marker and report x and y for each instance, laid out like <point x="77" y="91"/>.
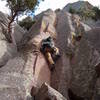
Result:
<point x="47" y="44"/>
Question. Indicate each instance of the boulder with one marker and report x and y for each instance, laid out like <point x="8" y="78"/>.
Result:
<point x="78" y="5"/>
<point x="16" y="79"/>
<point x="48" y="93"/>
<point x="97" y="24"/>
<point x="97" y="90"/>
<point x="7" y="51"/>
<point x="60" y="78"/>
<point x="18" y="31"/>
<point x="44" y="24"/>
<point x="12" y="79"/>
<point x="23" y="73"/>
<point x="36" y="71"/>
<point x="63" y="71"/>
<point x="3" y="18"/>
<point x="83" y="65"/>
<point x="26" y="73"/>
<point x="3" y="25"/>
<point x="86" y="27"/>
<point x="93" y="37"/>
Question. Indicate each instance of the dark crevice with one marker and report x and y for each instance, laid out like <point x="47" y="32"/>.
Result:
<point x="72" y="96"/>
<point x="47" y="99"/>
<point x="97" y="68"/>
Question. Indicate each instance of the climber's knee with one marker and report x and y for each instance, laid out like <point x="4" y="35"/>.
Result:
<point x="50" y="61"/>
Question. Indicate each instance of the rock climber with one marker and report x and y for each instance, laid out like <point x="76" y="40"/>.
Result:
<point x="50" y="52"/>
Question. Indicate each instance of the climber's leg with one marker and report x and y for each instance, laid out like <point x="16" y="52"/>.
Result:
<point x="50" y="60"/>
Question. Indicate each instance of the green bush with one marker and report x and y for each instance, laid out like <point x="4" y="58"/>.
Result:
<point x="86" y="13"/>
<point x="72" y="11"/>
<point x="97" y="13"/>
<point x="26" y="23"/>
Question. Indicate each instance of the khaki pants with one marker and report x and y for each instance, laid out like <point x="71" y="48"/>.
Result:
<point x="49" y="58"/>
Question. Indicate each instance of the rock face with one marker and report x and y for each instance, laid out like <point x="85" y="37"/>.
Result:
<point x="85" y="66"/>
<point x="8" y="50"/>
<point x="11" y="80"/>
<point x="78" y="5"/>
<point x="3" y="25"/>
<point x="97" y="90"/>
<point x="83" y="70"/>
<point x="25" y="73"/>
<point x="97" y="24"/>
<point x="48" y="93"/>
<point x="93" y="37"/>
<point x="44" y="22"/>
<point x="18" y="31"/>
<point x="61" y="76"/>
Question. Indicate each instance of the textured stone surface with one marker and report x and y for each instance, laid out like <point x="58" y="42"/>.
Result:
<point x="77" y="5"/>
<point x="83" y="70"/>
<point x="61" y="75"/>
<point x="18" y="31"/>
<point x="18" y="77"/>
<point x="11" y="80"/>
<point x="44" y="23"/>
<point x="97" y="24"/>
<point x="3" y="25"/>
<point x="23" y="74"/>
<point x="96" y="95"/>
<point x="93" y="36"/>
<point x="48" y="93"/>
<point x="36" y="71"/>
<point x="42" y="71"/>
<point x="7" y="51"/>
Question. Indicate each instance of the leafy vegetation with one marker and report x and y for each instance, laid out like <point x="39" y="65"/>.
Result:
<point x="84" y="13"/>
<point x="72" y="11"/>
<point x="97" y="13"/>
<point x="26" y="23"/>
